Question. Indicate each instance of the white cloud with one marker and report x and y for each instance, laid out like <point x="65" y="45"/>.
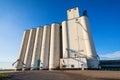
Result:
<point x="110" y="56"/>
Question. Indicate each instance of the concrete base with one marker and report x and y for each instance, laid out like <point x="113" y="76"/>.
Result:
<point x="73" y="63"/>
<point x="73" y="69"/>
<point x="58" y="69"/>
<point x="54" y="69"/>
<point x="18" y="69"/>
<point x="26" y="69"/>
<point x="93" y="63"/>
<point x="34" y="68"/>
<point x="93" y="69"/>
<point x="43" y="69"/>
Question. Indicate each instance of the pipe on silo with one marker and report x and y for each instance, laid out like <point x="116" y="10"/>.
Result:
<point x="44" y="59"/>
<point x="37" y="49"/>
<point x="29" y="50"/>
<point x="92" y="58"/>
<point x="54" y="59"/>
<point x="65" y="39"/>
<point x="22" y="51"/>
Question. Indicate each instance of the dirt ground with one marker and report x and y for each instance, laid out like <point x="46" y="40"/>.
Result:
<point x="66" y="75"/>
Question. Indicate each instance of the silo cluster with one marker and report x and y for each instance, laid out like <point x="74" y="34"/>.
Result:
<point x="59" y="46"/>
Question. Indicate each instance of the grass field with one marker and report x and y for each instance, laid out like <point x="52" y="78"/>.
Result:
<point x="3" y="76"/>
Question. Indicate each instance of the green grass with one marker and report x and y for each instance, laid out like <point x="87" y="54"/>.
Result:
<point x="3" y="76"/>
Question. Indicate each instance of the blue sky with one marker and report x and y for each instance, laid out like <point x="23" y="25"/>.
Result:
<point x="18" y="15"/>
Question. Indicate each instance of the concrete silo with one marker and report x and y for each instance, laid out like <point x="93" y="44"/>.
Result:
<point x="29" y="50"/>
<point x="54" y="58"/>
<point x="65" y="39"/>
<point x="22" y="51"/>
<point x="92" y="57"/>
<point x="37" y="49"/>
<point x="44" y="59"/>
<point x="73" y="49"/>
<point x="69" y="46"/>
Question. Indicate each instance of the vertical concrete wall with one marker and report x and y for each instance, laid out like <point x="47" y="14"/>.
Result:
<point x="72" y="40"/>
<point x="71" y="34"/>
<point x="44" y="48"/>
<point x="77" y="38"/>
<point x="73" y="13"/>
<point x="44" y="59"/>
<point x="65" y="39"/>
<point x="29" y="50"/>
<point x="73" y="63"/>
<point x="22" y="51"/>
<point x="54" y="59"/>
<point x="37" y="49"/>
<point x="92" y="57"/>
<point x="80" y="41"/>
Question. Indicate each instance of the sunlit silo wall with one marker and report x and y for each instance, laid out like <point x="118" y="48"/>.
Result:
<point x="77" y="39"/>
<point x="68" y="45"/>
<point x="44" y="59"/>
<point x="65" y="39"/>
<point x="89" y="44"/>
<point x="37" y="49"/>
<point x="22" y="51"/>
<point x="54" y="58"/>
<point x="29" y="51"/>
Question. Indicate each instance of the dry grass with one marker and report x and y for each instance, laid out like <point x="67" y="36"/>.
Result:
<point x="98" y="74"/>
<point x="66" y="75"/>
<point x="3" y="76"/>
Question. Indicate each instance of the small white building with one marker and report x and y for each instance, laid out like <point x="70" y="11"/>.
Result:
<point x="73" y="63"/>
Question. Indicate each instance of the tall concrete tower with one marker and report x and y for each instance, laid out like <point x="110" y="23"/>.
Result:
<point x="45" y="48"/>
<point x="23" y="47"/>
<point x="54" y="58"/>
<point x="37" y="49"/>
<point x="29" y="50"/>
<point x="77" y="38"/>
<point x="59" y="46"/>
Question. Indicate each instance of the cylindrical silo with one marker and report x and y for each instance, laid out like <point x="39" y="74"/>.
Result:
<point x="54" y="58"/>
<point x="65" y="39"/>
<point x="45" y="48"/>
<point x="29" y="50"/>
<point x="22" y="51"/>
<point x="37" y="49"/>
<point x="92" y="58"/>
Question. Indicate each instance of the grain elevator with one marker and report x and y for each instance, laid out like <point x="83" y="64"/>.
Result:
<point x="68" y="45"/>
